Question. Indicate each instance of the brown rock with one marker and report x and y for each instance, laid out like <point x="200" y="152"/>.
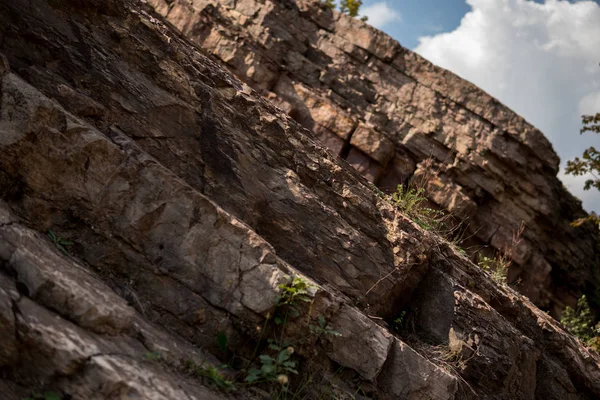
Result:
<point x="190" y="201"/>
<point x="373" y="143"/>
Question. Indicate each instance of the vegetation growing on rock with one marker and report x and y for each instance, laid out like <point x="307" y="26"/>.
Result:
<point x="580" y="322"/>
<point x="588" y="164"/>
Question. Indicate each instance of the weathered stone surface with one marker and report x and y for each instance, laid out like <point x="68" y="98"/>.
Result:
<point x="189" y="200"/>
<point x="376" y="145"/>
<point x="410" y="376"/>
<point x="8" y="343"/>
<point x="361" y="345"/>
<point x="365" y="165"/>
<point x="339" y="73"/>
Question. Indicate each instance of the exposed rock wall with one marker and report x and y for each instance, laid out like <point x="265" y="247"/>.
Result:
<point x="189" y="199"/>
<point x="388" y="111"/>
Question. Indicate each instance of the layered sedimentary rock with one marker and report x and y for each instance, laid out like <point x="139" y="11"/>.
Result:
<point x="395" y="117"/>
<point x="177" y="201"/>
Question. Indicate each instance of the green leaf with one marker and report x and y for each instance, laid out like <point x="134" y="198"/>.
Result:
<point x="267" y="369"/>
<point x="52" y="396"/>
<point x="222" y="341"/>
<point x="321" y="321"/>
<point x="283" y="356"/>
<point x="265" y="359"/>
<point x="253" y="375"/>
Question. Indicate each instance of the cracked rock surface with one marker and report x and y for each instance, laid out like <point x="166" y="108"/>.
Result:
<point x="179" y="200"/>
<point x="396" y="118"/>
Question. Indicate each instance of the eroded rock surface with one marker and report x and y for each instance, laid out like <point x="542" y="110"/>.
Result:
<point x="389" y="113"/>
<point x="189" y="200"/>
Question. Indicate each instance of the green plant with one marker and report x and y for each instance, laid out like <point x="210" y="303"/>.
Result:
<point x="153" y="356"/>
<point x="60" y="243"/>
<point x="292" y="293"/>
<point x="399" y="321"/>
<point x="212" y="375"/>
<point x="412" y="203"/>
<point x="497" y="267"/>
<point x="329" y="3"/>
<point x="588" y="164"/>
<point x="277" y="363"/>
<point x="351" y="7"/>
<point x="44" y="396"/>
<point x="580" y="322"/>
<point x="323" y="328"/>
<point x="276" y="368"/>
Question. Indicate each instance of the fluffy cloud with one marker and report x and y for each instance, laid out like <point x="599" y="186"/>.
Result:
<point x="381" y="14"/>
<point x="541" y="60"/>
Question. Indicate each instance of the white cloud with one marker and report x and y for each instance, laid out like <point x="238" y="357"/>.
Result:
<point x="381" y="14"/>
<point x="541" y="60"/>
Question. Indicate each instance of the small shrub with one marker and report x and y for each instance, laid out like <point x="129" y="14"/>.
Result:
<point x="580" y="323"/>
<point x="292" y="293"/>
<point x="274" y="368"/>
<point x="329" y="3"/>
<point x="212" y="375"/>
<point x="412" y="203"/>
<point x="351" y="7"/>
<point x="398" y="322"/>
<point x="497" y="267"/>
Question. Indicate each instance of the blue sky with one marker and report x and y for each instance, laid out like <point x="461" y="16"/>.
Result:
<point x="421" y="18"/>
<point x="540" y="58"/>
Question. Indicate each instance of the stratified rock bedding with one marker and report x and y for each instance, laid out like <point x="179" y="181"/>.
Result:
<point x="189" y="199"/>
<point x="394" y="116"/>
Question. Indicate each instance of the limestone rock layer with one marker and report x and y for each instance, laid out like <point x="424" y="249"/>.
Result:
<point x="395" y="117"/>
<point x="151" y="203"/>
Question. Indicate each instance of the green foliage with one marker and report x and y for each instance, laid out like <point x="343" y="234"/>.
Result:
<point x="398" y="322"/>
<point x="276" y="368"/>
<point x="60" y="243"/>
<point x="323" y="329"/>
<point x="292" y="293"/>
<point x="329" y="3"/>
<point x="591" y="123"/>
<point x="497" y="267"/>
<point x="412" y="203"/>
<point x="153" y="356"/>
<point x="44" y="396"/>
<point x="222" y="341"/>
<point x="351" y="7"/>
<point x="588" y="164"/>
<point x="210" y="374"/>
<point x="277" y="362"/>
<point x="580" y="322"/>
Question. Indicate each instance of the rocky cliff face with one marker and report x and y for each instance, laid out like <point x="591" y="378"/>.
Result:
<point x="394" y="117"/>
<point x="152" y="203"/>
